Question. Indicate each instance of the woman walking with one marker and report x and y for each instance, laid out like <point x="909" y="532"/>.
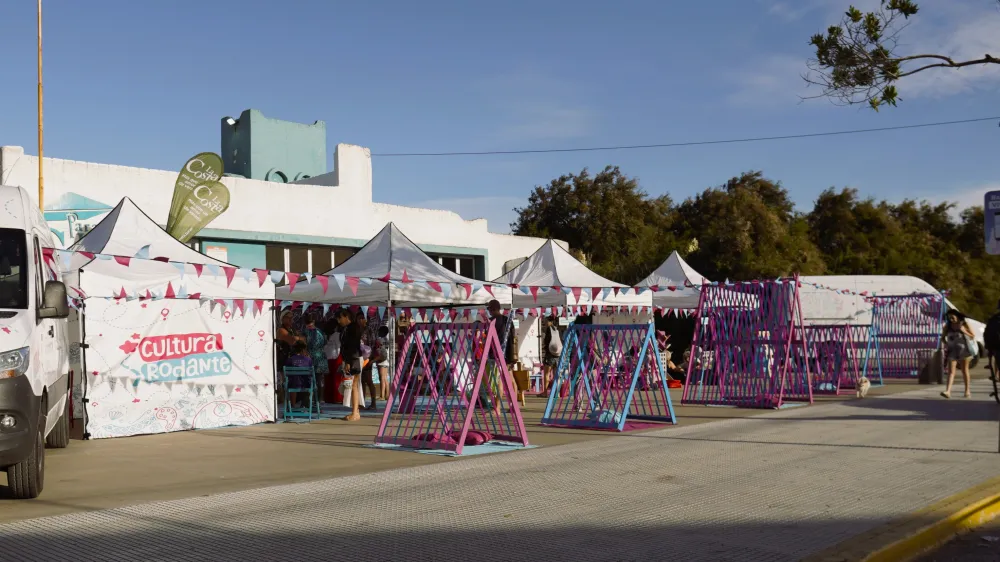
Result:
<point x="959" y="349"/>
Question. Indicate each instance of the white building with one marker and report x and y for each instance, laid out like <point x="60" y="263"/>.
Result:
<point x="310" y="225"/>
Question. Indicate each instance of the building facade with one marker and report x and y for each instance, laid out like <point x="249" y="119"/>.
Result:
<point x="287" y="212"/>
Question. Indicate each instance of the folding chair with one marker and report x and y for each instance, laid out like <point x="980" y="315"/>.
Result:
<point x="294" y="383"/>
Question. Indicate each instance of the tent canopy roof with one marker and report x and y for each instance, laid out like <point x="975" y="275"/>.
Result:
<point x="673" y="271"/>
<point x="391" y="253"/>
<point x="552" y="266"/>
<point x="128" y="232"/>
<point x="127" y="229"/>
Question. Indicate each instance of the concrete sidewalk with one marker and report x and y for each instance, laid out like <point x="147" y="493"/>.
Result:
<point x="780" y="486"/>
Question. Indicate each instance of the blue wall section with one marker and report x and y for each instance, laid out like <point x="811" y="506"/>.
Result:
<point x="241" y="255"/>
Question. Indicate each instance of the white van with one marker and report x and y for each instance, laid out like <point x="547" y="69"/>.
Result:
<point x="34" y="358"/>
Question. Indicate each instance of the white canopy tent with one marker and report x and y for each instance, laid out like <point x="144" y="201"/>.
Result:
<point x="190" y="346"/>
<point x="674" y="273"/>
<point x="552" y="266"/>
<point x="147" y="259"/>
<point x="414" y="279"/>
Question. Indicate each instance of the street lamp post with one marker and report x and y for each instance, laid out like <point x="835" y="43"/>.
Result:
<point x="41" y="164"/>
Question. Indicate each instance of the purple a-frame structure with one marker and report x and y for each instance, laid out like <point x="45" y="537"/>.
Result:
<point x="742" y="350"/>
<point x="451" y="387"/>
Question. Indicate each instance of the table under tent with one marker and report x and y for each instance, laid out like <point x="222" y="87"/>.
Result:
<point x="450" y="386"/>
<point x="675" y="286"/>
<point x="609" y="374"/>
<point x="165" y="338"/>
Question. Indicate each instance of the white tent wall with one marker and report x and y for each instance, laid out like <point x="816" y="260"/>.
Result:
<point x="156" y="364"/>
<point x="173" y="365"/>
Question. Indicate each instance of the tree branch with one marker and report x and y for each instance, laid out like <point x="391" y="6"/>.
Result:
<point x="988" y="59"/>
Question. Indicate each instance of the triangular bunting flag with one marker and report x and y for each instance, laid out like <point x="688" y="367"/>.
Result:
<point x="198" y="268"/>
<point x="366" y="280"/>
<point x="122" y="260"/>
<point x="446" y="289"/>
<point x="576" y="293"/>
<point x="245" y="274"/>
<point x="352" y="282"/>
<point x="230" y="274"/>
<point x="534" y="292"/>
<point x="143" y="253"/>
<point x="293" y="278"/>
<point x="324" y="282"/>
<point x="170" y="292"/>
<point x="262" y="275"/>
<point x="339" y="278"/>
<point x="434" y="286"/>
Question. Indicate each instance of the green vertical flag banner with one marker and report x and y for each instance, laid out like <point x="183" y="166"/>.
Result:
<point x="202" y="205"/>
<point x="203" y="169"/>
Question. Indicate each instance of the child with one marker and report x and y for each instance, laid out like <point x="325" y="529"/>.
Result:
<point x="299" y="358"/>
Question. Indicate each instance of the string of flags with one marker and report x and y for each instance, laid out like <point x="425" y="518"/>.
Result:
<point x="871" y="298"/>
<point x="343" y="282"/>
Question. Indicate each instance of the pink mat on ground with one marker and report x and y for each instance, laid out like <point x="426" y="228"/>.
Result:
<point x="629" y="426"/>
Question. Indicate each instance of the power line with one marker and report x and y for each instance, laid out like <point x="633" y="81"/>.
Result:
<point x="693" y="143"/>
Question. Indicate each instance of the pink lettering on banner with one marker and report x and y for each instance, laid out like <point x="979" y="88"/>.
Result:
<point x="161" y="348"/>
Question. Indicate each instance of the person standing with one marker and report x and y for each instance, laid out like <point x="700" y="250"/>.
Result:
<point x="959" y="350"/>
<point x="350" y="352"/>
<point x="315" y="341"/>
<point x="551" y="350"/>
<point x="382" y="361"/>
<point x="335" y="333"/>
<point x="991" y="340"/>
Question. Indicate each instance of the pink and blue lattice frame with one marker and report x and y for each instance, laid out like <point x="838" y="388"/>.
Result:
<point x="608" y="375"/>
<point x="905" y="333"/>
<point x="742" y="353"/>
<point x="451" y="388"/>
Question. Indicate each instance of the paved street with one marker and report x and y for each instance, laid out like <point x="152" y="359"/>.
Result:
<point x="774" y="487"/>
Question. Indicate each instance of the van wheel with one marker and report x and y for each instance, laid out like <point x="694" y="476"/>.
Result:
<point x="25" y="479"/>
<point x="59" y="436"/>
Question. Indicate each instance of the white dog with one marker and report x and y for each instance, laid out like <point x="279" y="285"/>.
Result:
<point x="863" y="385"/>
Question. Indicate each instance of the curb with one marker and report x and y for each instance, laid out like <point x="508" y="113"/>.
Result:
<point x="911" y="536"/>
<point x="936" y="534"/>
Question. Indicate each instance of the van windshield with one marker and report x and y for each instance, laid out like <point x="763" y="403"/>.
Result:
<point x="13" y="269"/>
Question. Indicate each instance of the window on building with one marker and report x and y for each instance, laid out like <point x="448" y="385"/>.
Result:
<point x="467" y="267"/>
<point x="274" y="257"/>
<point x="343" y="254"/>
<point x="322" y="259"/>
<point x="298" y="259"/>
<point x="448" y="263"/>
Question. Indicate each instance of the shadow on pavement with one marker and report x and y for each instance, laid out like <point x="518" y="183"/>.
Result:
<point x="275" y="536"/>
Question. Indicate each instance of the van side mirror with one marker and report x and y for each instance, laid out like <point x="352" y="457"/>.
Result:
<point x="54" y="303"/>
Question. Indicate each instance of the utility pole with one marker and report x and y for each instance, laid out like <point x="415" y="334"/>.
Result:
<point x="41" y="158"/>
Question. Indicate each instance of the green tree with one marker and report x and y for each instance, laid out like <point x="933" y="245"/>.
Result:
<point x="747" y="229"/>
<point x="607" y="216"/>
<point x="858" y="61"/>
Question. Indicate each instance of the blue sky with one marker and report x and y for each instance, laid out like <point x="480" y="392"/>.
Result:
<point x="145" y="84"/>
